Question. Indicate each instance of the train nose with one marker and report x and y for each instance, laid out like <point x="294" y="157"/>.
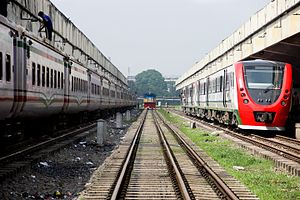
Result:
<point x="266" y="117"/>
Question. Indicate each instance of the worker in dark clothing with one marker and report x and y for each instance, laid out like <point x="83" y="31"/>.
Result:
<point x="47" y="24"/>
<point x="3" y="7"/>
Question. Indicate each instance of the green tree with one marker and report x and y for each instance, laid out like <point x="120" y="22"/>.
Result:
<point x="150" y="81"/>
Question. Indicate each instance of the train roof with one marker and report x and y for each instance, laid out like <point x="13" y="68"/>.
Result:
<point x="149" y="94"/>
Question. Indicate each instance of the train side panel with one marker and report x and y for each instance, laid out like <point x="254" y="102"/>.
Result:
<point x="6" y="80"/>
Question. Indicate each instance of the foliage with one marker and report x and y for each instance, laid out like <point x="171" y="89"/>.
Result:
<point x="150" y="81"/>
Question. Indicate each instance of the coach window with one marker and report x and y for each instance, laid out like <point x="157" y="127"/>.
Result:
<point x="1" y="66"/>
<point x="218" y="84"/>
<point x="232" y="79"/>
<point x="38" y="71"/>
<point x="55" y="78"/>
<point x="58" y="79"/>
<point x="47" y="77"/>
<point x="33" y="73"/>
<point x="8" y="68"/>
<point x="221" y="83"/>
<point x="62" y="80"/>
<point x="79" y="84"/>
<point x="227" y="81"/>
<point x="51" y="78"/>
<point x="72" y="81"/>
<point x="43" y="76"/>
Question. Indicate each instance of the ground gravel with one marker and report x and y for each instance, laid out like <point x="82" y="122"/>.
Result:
<point x="64" y="174"/>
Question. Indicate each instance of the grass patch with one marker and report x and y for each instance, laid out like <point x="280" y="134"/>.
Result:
<point x="258" y="174"/>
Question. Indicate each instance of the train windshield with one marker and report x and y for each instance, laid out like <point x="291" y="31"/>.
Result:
<point x="267" y="77"/>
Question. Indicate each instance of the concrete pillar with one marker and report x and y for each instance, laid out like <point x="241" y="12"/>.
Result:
<point x="193" y="125"/>
<point x="128" y="115"/>
<point x="119" y="120"/>
<point x="297" y="131"/>
<point x="101" y="131"/>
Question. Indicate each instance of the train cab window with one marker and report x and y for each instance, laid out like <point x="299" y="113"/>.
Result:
<point x="43" y="76"/>
<point x="33" y="73"/>
<point x="1" y="66"/>
<point x="8" y="68"/>
<point x="38" y="78"/>
<point x="51" y="78"/>
<point x="55" y="78"/>
<point x="266" y="77"/>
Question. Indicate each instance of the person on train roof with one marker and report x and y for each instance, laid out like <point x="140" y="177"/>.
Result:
<point x="47" y="24"/>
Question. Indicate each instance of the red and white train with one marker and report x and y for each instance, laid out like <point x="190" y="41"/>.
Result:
<point x="253" y="94"/>
<point x="38" y="80"/>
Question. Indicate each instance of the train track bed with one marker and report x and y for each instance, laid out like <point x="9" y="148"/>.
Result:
<point x="64" y="173"/>
<point x="153" y="174"/>
<point x="285" y="152"/>
<point x="15" y="162"/>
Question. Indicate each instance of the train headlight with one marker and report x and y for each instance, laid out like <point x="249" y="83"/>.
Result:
<point x="285" y="96"/>
<point x="243" y="94"/>
<point x="246" y="101"/>
<point x="286" y="91"/>
<point x="241" y="89"/>
<point x="283" y="103"/>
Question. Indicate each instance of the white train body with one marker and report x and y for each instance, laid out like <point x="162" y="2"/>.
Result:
<point x="38" y="80"/>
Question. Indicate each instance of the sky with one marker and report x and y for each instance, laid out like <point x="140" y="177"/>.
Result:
<point x="166" y="35"/>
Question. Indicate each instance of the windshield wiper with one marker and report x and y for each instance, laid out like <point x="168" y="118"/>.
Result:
<point x="270" y="87"/>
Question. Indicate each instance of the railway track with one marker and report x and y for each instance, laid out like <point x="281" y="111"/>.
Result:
<point x="13" y="163"/>
<point x="286" y="147"/>
<point x="160" y="164"/>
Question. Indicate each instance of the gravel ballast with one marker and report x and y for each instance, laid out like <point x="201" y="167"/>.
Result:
<point x="64" y="174"/>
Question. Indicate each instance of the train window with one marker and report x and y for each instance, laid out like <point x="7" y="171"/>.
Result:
<point x="55" y="78"/>
<point x="1" y="66"/>
<point x="72" y="84"/>
<point x="58" y="80"/>
<point x="204" y="88"/>
<point x="232" y="79"/>
<point x="218" y="84"/>
<point x="51" y="78"/>
<point x="43" y="76"/>
<point x="221" y="83"/>
<point x="33" y="73"/>
<point x="8" y="68"/>
<point x="62" y="80"/>
<point x="38" y="81"/>
<point x="215" y="85"/>
<point x="77" y="84"/>
<point x="47" y="77"/>
<point x="80" y="85"/>
<point x="227" y="81"/>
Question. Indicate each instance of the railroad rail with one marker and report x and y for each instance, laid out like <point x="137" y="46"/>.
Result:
<point x="15" y="162"/>
<point x="155" y="162"/>
<point x="285" y="147"/>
